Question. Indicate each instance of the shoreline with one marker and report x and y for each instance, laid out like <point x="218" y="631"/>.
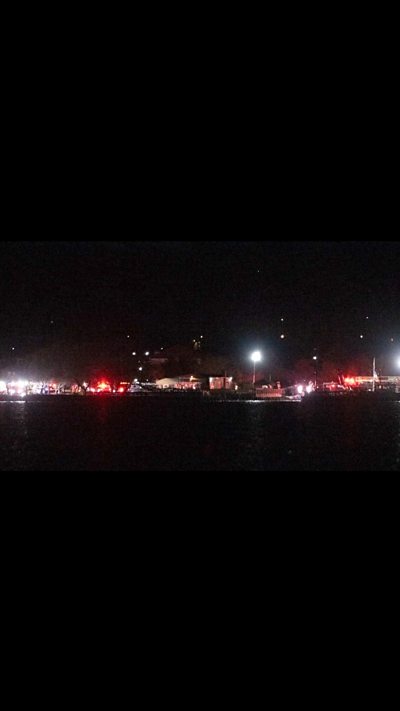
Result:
<point x="207" y="396"/>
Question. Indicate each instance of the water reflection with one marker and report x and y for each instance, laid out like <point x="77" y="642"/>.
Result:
<point x="130" y="435"/>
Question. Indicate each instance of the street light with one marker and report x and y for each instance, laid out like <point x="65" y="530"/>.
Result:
<point x="255" y="357"/>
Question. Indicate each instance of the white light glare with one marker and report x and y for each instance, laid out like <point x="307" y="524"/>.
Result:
<point x="299" y="389"/>
<point x="309" y="388"/>
<point x="256" y="357"/>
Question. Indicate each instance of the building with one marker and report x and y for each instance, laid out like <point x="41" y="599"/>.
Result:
<point x="380" y="382"/>
<point x="164" y="383"/>
<point x="181" y="382"/>
<point x="220" y="382"/>
<point x="268" y="393"/>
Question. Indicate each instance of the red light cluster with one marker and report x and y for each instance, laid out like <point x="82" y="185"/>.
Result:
<point x="103" y="387"/>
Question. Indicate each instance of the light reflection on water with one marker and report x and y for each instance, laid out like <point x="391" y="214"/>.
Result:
<point x="7" y="402"/>
<point x="14" y="437"/>
<point x="398" y="439"/>
<point x="129" y="434"/>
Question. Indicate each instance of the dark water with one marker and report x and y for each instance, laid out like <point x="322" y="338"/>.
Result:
<point x="150" y="434"/>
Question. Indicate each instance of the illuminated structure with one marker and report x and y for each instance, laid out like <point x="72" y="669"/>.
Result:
<point x="220" y="382"/>
<point x="377" y="382"/>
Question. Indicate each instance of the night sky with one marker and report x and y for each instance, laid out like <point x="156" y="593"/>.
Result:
<point x="234" y="293"/>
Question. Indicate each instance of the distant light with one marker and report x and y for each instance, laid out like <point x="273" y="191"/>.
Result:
<point x="315" y="357"/>
<point x="256" y="356"/>
<point x="128" y="336"/>
<point x="13" y="349"/>
<point x="201" y="336"/>
<point x="147" y="353"/>
<point x="299" y="389"/>
<point x="367" y="317"/>
<point x="282" y="319"/>
<point x="361" y="336"/>
<point x="140" y="368"/>
<point x="392" y="339"/>
<point x="134" y="353"/>
<point x="309" y="388"/>
<point x="282" y="335"/>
